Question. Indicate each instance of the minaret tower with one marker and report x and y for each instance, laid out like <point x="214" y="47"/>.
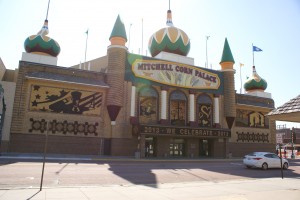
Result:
<point x="227" y="63"/>
<point x="116" y="54"/>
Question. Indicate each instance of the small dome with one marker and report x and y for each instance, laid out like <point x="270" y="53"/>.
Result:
<point x="169" y="39"/>
<point x="255" y="82"/>
<point x="42" y="44"/>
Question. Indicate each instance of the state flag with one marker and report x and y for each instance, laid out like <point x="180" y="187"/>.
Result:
<point x="255" y="48"/>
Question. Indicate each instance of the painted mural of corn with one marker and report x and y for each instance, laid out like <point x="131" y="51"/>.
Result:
<point x="174" y="78"/>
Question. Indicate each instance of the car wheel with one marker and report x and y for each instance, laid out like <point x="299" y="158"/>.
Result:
<point x="248" y="166"/>
<point x="264" y="166"/>
<point x="285" y="165"/>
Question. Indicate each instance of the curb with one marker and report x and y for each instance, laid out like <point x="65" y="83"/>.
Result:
<point x="120" y="159"/>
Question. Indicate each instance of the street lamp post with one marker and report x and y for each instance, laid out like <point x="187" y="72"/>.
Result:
<point x="44" y="157"/>
<point x="292" y="140"/>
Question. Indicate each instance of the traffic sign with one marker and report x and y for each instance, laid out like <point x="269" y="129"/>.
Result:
<point x="279" y="139"/>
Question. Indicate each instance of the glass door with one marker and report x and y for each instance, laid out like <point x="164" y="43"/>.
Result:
<point x="204" y="148"/>
<point x="149" y="147"/>
<point x="177" y="148"/>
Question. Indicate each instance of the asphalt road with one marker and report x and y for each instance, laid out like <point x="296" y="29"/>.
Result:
<point x="27" y="174"/>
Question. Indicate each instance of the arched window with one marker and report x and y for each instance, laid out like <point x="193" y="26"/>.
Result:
<point x="148" y="98"/>
<point x="178" y="108"/>
<point x="205" y="110"/>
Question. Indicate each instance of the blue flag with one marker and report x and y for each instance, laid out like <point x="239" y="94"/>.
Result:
<point x="256" y="48"/>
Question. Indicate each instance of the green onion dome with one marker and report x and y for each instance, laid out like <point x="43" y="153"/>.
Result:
<point x="42" y="44"/>
<point x="255" y="82"/>
<point x="169" y="39"/>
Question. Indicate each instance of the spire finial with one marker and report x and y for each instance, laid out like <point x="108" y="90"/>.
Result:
<point x="47" y="10"/>
<point x="253" y="70"/>
<point x="169" y="16"/>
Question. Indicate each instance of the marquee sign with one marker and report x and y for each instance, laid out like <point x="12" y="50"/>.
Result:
<point x="182" y="131"/>
<point x="175" y="74"/>
<point x="152" y="71"/>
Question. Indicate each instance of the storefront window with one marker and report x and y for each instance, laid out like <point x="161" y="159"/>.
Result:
<point x="205" y="110"/>
<point x="148" y="106"/>
<point x="178" y="108"/>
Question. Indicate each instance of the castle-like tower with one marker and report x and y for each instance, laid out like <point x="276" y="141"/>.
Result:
<point x="116" y="54"/>
<point x="227" y="63"/>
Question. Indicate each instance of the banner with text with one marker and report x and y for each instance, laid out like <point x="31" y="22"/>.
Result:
<point x="172" y="73"/>
<point x="183" y="131"/>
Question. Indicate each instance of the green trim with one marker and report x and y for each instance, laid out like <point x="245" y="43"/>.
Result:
<point x="119" y="29"/>
<point x="227" y="55"/>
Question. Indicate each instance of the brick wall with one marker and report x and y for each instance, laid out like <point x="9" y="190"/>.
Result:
<point x="32" y="143"/>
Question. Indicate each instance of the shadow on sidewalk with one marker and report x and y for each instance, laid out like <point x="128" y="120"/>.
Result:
<point x="33" y="195"/>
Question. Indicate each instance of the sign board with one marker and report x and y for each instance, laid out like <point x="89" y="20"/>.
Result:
<point x="279" y="139"/>
<point x="175" y="74"/>
<point x="182" y="131"/>
<point x="152" y="71"/>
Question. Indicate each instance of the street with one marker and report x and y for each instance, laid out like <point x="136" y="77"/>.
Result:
<point x="16" y="173"/>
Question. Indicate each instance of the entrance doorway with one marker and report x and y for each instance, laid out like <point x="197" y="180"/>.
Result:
<point x="205" y="148"/>
<point x="150" y="146"/>
<point x="177" y="148"/>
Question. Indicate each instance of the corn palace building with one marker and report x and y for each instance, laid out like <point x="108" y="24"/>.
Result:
<point x="124" y="104"/>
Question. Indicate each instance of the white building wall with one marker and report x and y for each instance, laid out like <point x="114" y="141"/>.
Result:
<point x="9" y="96"/>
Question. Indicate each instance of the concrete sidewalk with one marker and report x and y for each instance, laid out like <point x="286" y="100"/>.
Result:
<point x="274" y="188"/>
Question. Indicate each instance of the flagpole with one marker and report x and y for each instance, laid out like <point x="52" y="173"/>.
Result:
<point x="47" y="10"/>
<point x="252" y="54"/>
<point x="206" y="64"/>
<point x="142" y="36"/>
<point x="87" y="35"/>
<point x="241" y="77"/>
<point x="129" y="37"/>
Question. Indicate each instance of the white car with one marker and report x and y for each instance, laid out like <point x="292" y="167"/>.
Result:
<point x="264" y="160"/>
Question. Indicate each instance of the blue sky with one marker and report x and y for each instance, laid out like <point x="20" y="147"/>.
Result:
<point x="272" y="25"/>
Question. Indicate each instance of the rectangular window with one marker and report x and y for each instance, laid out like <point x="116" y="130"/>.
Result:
<point x="148" y="107"/>
<point x="178" y="112"/>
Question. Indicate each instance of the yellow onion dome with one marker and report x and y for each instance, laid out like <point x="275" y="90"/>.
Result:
<point x="42" y="44"/>
<point x="169" y="39"/>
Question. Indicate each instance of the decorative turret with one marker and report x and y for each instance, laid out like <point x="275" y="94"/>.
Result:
<point x="255" y="83"/>
<point x="227" y="60"/>
<point x="117" y="54"/>
<point x="169" y="39"/>
<point x="41" y="43"/>
<point x="118" y="34"/>
<point x="227" y="63"/>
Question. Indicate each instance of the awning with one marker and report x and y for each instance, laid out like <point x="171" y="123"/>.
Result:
<point x="290" y="111"/>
